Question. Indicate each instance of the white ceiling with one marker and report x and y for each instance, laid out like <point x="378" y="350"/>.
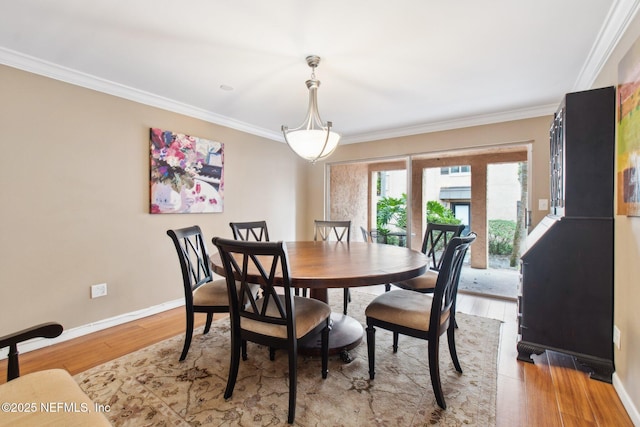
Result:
<point x="388" y="68"/>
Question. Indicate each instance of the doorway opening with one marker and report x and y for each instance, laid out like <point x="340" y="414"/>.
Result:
<point x="354" y="189"/>
<point x="506" y="201"/>
<point x="389" y="207"/>
<point x="447" y="192"/>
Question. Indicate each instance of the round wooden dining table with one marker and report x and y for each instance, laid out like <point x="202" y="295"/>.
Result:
<point x="321" y="265"/>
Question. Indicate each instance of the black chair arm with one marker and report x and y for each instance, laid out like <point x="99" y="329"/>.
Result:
<point x="44" y="330"/>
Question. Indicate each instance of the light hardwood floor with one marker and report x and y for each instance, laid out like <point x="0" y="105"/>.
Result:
<point x="551" y="392"/>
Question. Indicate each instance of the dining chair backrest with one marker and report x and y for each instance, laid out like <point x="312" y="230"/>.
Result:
<point x="365" y="234"/>
<point x="334" y="231"/>
<point x="436" y="239"/>
<point x="326" y="230"/>
<point x="444" y="296"/>
<point x="270" y="261"/>
<point x="194" y="258"/>
<point x="252" y="230"/>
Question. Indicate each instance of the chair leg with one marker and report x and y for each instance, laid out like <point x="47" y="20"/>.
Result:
<point x="371" y="350"/>
<point x="293" y="381"/>
<point x="236" y="345"/>
<point x="395" y="342"/>
<point x="187" y="336"/>
<point x="434" y="371"/>
<point x="244" y="349"/>
<point x="451" y="339"/>
<point x="325" y="349"/>
<point x="272" y="354"/>
<point x="207" y="325"/>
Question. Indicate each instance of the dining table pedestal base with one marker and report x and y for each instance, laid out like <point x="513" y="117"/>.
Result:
<point x="346" y="334"/>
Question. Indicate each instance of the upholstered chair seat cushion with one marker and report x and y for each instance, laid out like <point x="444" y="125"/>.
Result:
<point x="48" y="388"/>
<point x="424" y="282"/>
<point x="310" y="313"/>
<point x="215" y="293"/>
<point x="403" y="307"/>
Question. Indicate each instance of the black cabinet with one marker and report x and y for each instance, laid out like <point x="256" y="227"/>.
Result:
<point x="566" y="290"/>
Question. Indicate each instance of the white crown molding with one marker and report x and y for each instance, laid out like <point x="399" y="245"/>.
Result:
<point x="618" y="19"/>
<point x="484" y="119"/>
<point x="49" y="69"/>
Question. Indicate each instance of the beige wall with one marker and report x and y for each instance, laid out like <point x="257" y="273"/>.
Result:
<point x="626" y="260"/>
<point x="75" y="194"/>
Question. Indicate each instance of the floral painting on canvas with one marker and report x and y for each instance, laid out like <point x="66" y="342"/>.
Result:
<point x="628" y="162"/>
<point x="187" y="173"/>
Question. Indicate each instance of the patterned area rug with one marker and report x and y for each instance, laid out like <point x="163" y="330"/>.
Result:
<point x="150" y="387"/>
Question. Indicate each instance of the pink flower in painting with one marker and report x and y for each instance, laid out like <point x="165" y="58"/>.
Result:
<point x="174" y="159"/>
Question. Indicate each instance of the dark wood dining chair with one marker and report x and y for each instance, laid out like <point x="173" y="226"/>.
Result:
<point x="423" y="316"/>
<point x="339" y="231"/>
<point x="202" y="293"/>
<point x="252" y="230"/>
<point x="365" y="235"/>
<point x="436" y="238"/>
<point x="368" y="237"/>
<point x="274" y="320"/>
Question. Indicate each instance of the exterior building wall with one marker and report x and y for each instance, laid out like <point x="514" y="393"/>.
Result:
<point x="503" y="191"/>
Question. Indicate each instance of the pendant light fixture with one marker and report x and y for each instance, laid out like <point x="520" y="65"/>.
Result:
<point x="313" y="140"/>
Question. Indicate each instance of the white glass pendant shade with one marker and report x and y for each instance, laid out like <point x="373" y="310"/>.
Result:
<point x="313" y="140"/>
<point x="313" y="144"/>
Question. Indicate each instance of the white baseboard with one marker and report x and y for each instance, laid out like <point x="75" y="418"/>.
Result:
<point x="79" y="331"/>
<point x="626" y="400"/>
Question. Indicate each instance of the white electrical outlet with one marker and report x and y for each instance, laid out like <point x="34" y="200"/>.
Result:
<point x="616" y="336"/>
<point x="98" y="290"/>
<point x="543" y="204"/>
